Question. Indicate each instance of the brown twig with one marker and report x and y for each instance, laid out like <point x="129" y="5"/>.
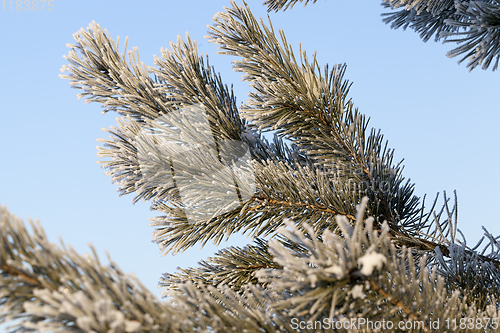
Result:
<point x="300" y="204"/>
<point x="6" y="269"/>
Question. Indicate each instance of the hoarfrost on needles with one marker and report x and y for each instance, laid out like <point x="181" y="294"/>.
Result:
<point x="337" y="270"/>
<point x="371" y="260"/>
<point x="357" y="291"/>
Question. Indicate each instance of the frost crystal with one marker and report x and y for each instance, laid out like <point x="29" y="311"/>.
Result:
<point x="337" y="270"/>
<point x="357" y="291"/>
<point x="371" y="260"/>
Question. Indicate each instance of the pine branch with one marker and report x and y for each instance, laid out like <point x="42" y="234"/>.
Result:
<point x="332" y="163"/>
<point x="126" y="168"/>
<point x="309" y="106"/>
<point x="440" y="235"/>
<point x="373" y="175"/>
<point x="223" y="310"/>
<point x="474" y="25"/>
<point x="232" y="267"/>
<point x="128" y="144"/>
<point x="427" y="19"/>
<point x="470" y="273"/>
<point x="49" y="288"/>
<point x="175" y="69"/>
<point x="284" y="191"/>
<point x="480" y="42"/>
<point x="186" y="79"/>
<point x="79" y="294"/>
<point x="105" y="75"/>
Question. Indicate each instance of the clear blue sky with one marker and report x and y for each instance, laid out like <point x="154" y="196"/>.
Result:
<point x="442" y="119"/>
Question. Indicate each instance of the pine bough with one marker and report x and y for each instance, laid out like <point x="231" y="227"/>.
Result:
<point x="473" y="25"/>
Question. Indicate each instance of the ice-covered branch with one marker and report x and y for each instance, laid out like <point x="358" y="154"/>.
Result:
<point x="232" y="267"/>
<point x="473" y="25"/>
<point x="309" y="105"/>
<point x="277" y="5"/>
<point x="49" y="288"/>
<point x="361" y="273"/>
